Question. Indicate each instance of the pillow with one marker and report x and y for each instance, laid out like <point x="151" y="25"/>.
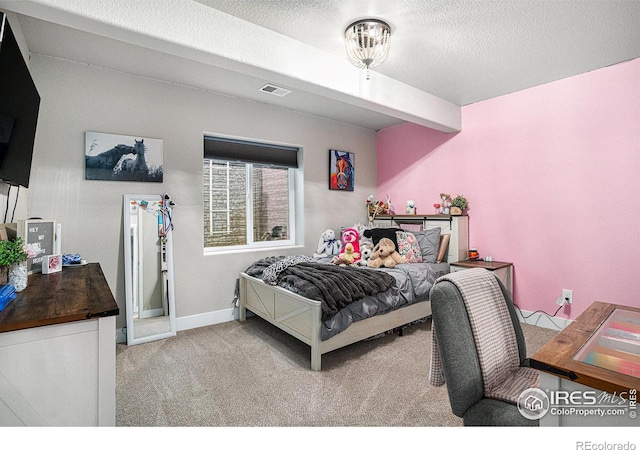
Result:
<point x="408" y="247"/>
<point x="442" y="250"/>
<point x="429" y="241"/>
<point x="378" y="233"/>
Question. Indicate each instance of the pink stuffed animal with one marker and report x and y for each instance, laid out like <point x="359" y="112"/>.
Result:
<point x="351" y="236"/>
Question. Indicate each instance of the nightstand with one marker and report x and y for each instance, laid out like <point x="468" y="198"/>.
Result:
<point x="503" y="270"/>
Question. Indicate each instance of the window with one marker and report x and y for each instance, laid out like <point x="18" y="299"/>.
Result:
<point x="249" y="194"/>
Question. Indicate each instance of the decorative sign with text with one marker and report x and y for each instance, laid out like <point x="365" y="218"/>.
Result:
<point x="40" y="236"/>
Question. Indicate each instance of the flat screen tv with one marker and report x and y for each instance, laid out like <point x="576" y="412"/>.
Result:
<point x="19" y="106"/>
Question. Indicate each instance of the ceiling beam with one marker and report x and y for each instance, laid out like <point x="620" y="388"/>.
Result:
<point x="188" y="29"/>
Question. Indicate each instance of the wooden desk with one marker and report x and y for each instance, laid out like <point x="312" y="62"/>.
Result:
<point x="556" y="357"/>
<point x="57" y="351"/>
<point x="560" y="371"/>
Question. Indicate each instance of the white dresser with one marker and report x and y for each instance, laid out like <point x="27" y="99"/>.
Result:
<point x="57" y="351"/>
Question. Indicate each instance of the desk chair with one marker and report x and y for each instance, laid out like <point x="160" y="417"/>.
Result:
<point x="481" y="349"/>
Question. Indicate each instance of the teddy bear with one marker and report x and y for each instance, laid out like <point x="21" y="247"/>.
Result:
<point x="328" y="244"/>
<point x="351" y="236"/>
<point x="385" y="254"/>
<point x="347" y="257"/>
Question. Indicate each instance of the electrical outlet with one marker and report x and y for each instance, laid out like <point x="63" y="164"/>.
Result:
<point x="567" y="294"/>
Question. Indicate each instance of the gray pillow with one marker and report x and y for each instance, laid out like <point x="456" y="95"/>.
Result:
<point x="429" y="242"/>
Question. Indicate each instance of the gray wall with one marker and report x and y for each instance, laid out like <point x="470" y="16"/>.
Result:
<point x="78" y="97"/>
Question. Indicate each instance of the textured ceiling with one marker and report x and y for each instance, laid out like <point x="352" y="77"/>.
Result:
<point x="465" y="51"/>
<point x="444" y="53"/>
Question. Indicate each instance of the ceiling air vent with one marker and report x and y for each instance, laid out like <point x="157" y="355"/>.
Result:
<point x="274" y="90"/>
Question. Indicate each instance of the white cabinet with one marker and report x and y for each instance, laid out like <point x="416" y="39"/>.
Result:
<point x="58" y="351"/>
<point x="59" y="375"/>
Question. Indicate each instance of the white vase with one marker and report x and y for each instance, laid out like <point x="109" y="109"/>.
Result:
<point x="18" y="276"/>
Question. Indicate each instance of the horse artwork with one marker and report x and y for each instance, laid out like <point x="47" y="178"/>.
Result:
<point x="101" y="165"/>
<point x="341" y="170"/>
<point x="135" y="169"/>
<point x="128" y="158"/>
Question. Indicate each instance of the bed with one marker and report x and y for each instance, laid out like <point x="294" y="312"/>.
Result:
<point x="405" y="302"/>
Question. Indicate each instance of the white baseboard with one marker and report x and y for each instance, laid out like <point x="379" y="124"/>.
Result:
<point x="195" y="321"/>
<point x="203" y="320"/>
<point x="542" y="320"/>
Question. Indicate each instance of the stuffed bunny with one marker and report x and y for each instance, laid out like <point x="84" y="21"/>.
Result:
<point x="328" y="245"/>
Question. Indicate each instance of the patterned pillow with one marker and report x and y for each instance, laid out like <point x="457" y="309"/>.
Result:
<point x="408" y="247"/>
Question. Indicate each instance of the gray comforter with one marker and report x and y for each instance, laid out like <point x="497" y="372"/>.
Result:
<point x="412" y="283"/>
<point x="334" y="286"/>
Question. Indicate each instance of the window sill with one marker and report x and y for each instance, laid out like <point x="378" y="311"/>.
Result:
<point x="213" y="252"/>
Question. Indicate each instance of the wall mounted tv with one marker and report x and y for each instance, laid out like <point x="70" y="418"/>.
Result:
<point x="19" y="105"/>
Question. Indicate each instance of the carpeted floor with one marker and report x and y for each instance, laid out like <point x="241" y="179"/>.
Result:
<point x="251" y="374"/>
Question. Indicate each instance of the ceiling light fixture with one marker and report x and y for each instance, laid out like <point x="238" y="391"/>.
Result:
<point x="367" y="43"/>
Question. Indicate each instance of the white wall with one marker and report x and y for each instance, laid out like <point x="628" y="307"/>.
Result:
<point x="78" y="97"/>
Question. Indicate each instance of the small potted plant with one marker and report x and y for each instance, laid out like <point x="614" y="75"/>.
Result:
<point x="12" y="253"/>
<point x="458" y="205"/>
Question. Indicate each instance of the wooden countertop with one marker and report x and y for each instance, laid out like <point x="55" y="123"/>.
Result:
<point x="418" y="216"/>
<point x="489" y="265"/>
<point x="77" y="293"/>
<point x="556" y="357"/>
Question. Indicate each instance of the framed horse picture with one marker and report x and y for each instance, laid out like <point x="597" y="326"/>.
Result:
<point x="122" y="158"/>
<point x="341" y="170"/>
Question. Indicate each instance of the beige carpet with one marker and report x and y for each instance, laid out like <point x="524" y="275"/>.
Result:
<point x="252" y="374"/>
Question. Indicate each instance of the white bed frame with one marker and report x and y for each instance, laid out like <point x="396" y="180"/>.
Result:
<point x="302" y="317"/>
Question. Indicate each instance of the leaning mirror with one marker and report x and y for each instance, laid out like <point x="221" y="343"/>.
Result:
<point x="148" y="263"/>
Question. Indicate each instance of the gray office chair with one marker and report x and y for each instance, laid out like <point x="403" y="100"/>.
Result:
<point x="457" y="357"/>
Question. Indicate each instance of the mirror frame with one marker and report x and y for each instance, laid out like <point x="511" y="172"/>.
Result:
<point x="130" y="332"/>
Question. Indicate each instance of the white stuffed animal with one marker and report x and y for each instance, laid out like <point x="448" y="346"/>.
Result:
<point x="366" y="249"/>
<point x="328" y="245"/>
<point x="410" y="208"/>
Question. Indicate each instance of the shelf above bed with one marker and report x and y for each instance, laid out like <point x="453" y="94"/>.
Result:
<point x="414" y="218"/>
<point x="457" y="226"/>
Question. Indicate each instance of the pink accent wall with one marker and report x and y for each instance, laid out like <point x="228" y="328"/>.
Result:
<point x="552" y="175"/>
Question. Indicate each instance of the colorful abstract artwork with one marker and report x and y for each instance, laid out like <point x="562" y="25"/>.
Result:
<point x="341" y="170"/>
